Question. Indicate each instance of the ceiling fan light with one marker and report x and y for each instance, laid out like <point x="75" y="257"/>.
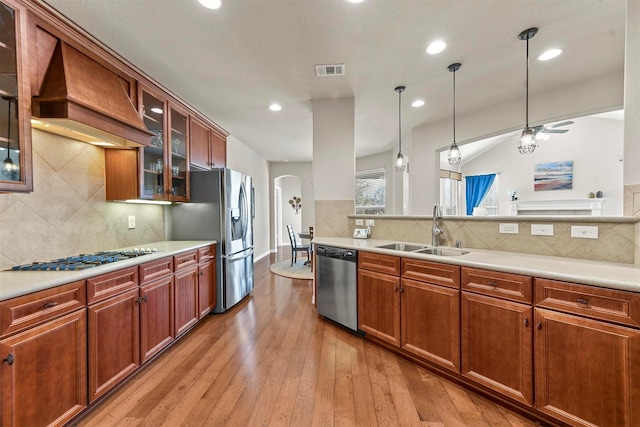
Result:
<point x="454" y="157"/>
<point x="527" y="143"/>
<point x="401" y="163"/>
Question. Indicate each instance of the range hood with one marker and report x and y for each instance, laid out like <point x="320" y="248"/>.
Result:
<point x="81" y="99"/>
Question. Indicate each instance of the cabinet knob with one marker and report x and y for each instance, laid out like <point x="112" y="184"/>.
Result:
<point x="539" y="326"/>
<point x="492" y="283"/>
<point x="395" y="289"/>
<point x="9" y="359"/>
<point x="51" y="304"/>
<point x="401" y="290"/>
<point x="526" y="322"/>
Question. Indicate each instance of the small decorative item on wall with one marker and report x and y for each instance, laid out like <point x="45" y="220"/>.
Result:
<point x="295" y="203"/>
<point x="553" y="176"/>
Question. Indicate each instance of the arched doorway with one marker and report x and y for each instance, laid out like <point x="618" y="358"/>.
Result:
<point x="286" y="187"/>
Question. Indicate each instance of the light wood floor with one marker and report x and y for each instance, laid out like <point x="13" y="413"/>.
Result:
<point x="271" y="361"/>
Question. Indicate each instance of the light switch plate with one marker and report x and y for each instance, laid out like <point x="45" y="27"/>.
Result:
<point x="509" y="228"/>
<point x="359" y="222"/>
<point x="132" y="221"/>
<point x="542" y="229"/>
<point x="368" y="222"/>
<point x="584" y="232"/>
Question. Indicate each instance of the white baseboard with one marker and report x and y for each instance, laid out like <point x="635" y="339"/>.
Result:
<point x="259" y="257"/>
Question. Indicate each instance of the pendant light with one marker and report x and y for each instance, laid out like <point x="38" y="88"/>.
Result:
<point x="527" y="142"/>
<point x="401" y="163"/>
<point x="7" y="166"/>
<point x="454" y="156"/>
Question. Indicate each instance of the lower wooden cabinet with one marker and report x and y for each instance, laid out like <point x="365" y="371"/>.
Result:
<point x="186" y="310"/>
<point x="114" y="341"/>
<point x="379" y="305"/>
<point x="206" y="287"/>
<point x="156" y="316"/>
<point x="431" y="322"/>
<point x="497" y="345"/>
<point x="587" y="371"/>
<point x="44" y="374"/>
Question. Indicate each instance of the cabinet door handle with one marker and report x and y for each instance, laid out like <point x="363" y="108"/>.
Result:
<point x="539" y="326"/>
<point x="401" y="290"/>
<point x="526" y="322"/>
<point x="395" y="289"/>
<point x="51" y="304"/>
<point x="492" y="283"/>
<point x="583" y="301"/>
<point x="145" y="298"/>
<point x="9" y="359"/>
<point x="201" y="274"/>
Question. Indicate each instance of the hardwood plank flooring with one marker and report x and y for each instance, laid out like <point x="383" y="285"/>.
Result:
<point x="272" y="361"/>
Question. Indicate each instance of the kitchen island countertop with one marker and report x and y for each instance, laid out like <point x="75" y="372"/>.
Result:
<point x="597" y="273"/>
<point x="18" y="283"/>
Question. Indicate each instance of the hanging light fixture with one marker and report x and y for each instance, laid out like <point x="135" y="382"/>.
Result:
<point x="401" y="163"/>
<point x="527" y="142"/>
<point x="454" y="156"/>
<point x="8" y="168"/>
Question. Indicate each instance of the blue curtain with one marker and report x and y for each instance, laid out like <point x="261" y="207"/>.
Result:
<point x="477" y="188"/>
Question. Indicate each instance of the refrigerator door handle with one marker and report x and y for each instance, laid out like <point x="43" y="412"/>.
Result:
<point x="239" y="255"/>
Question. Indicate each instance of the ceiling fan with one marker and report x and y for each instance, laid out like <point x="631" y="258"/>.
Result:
<point x="542" y="132"/>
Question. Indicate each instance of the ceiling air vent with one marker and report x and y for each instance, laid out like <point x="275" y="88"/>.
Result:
<point x="330" y="70"/>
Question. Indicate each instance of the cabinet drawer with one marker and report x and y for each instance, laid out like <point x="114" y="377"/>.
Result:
<point x="106" y="285"/>
<point x="185" y="260"/>
<point x="29" y="310"/>
<point x="207" y="253"/>
<point x="495" y="283"/>
<point x="432" y="272"/>
<point x="590" y="301"/>
<point x="156" y="269"/>
<point x="387" y="264"/>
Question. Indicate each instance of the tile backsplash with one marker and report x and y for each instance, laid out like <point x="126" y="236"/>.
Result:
<point x="66" y="213"/>
<point x="616" y="241"/>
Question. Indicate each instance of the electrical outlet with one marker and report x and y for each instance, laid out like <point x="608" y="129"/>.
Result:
<point x="369" y="222"/>
<point x="509" y="228"/>
<point x="359" y="222"/>
<point x="584" y="232"/>
<point x="542" y="229"/>
<point x="132" y="221"/>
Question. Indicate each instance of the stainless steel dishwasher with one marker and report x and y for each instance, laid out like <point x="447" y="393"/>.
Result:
<point x="336" y="285"/>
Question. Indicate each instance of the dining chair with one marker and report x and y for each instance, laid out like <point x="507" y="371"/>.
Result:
<point x="295" y="247"/>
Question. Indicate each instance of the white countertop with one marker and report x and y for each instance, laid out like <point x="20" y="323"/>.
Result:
<point x="598" y="273"/>
<point x="17" y="283"/>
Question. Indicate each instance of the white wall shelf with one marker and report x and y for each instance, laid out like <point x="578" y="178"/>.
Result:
<point x="591" y="207"/>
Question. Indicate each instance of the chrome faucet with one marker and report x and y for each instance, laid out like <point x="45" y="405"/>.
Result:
<point x="436" y="231"/>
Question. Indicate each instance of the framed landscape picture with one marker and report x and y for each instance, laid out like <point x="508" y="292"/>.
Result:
<point x="553" y="176"/>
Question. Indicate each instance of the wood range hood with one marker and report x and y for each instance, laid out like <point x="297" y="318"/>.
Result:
<point x="81" y="99"/>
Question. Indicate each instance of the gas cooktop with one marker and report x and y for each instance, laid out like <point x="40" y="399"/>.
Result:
<point x="82" y="261"/>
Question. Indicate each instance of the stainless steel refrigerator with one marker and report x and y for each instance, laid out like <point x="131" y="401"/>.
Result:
<point x="222" y="209"/>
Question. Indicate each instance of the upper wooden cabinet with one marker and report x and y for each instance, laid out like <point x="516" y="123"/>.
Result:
<point x="208" y="146"/>
<point x="15" y="100"/>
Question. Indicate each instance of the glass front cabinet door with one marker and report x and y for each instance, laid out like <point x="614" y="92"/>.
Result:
<point x="179" y="149"/>
<point x="15" y="102"/>
<point x="152" y="158"/>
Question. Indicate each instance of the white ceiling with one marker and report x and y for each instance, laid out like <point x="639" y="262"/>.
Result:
<point x="231" y="63"/>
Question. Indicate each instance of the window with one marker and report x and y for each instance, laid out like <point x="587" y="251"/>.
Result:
<point x="370" y="195"/>
<point x="450" y="192"/>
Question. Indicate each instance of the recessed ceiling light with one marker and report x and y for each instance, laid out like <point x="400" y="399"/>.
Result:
<point x="355" y="1"/>
<point x="549" y="54"/>
<point x="275" y="107"/>
<point x="436" y="47"/>
<point x="417" y="103"/>
<point x="211" y="4"/>
<point x="156" y="110"/>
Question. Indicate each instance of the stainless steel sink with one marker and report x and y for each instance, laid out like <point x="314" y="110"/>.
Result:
<point x="407" y="247"/>
<point x="441" y="251"/>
